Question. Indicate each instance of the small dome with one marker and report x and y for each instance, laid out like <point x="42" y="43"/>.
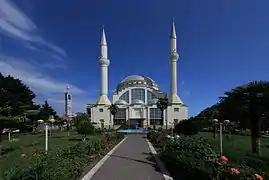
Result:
<point x="121" y="102"/>
<point x="153" y="101"/>
<point x="138" y="102"/>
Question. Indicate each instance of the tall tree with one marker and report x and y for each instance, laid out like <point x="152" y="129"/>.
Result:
<point x="251" y="104"/>
<point x="16" y="99"/>
<point x="247" y="105"/>
<point x="15" y="94"/>
<point x="46" y="111"/>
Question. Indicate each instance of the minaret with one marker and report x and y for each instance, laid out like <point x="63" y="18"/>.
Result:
<point x="174" y="56"/>
<point x="104" y="63"/>
<point x="68" y="102"/>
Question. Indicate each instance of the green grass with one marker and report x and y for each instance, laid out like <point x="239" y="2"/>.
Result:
<point x="29" y="144"/>
<point x="237" y="147"/>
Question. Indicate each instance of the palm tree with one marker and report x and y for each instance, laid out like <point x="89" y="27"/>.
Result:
<point x="162" y="104"/>
<point x="113" y="110"/>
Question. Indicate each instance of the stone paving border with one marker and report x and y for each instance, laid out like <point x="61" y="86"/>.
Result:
<point x="162" y="167"/>
<point x="90" y="174"/>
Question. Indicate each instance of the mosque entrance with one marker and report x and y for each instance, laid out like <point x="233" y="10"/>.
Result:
<point x="136" y="123"/>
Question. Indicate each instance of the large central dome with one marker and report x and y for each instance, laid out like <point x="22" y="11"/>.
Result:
<point x="137" y="81"/>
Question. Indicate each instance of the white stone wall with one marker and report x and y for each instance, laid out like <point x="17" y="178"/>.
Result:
<point x="105" y="115"/>
<point x="173" y="114"/>
<point x="131" y="112"/>
<point x="170" y="114"/>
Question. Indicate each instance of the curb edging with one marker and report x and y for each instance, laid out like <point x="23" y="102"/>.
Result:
<point x="165" y="172"/>
<point x="91" y="173"/>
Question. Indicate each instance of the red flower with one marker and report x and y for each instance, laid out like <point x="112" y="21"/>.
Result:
<point x="223" y="159"/>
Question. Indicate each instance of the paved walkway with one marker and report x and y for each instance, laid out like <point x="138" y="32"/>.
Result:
<point x="132" y="160"/>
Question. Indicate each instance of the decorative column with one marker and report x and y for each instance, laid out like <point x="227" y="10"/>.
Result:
<point x="127" y="117"/>
<point x="148" y="117"/>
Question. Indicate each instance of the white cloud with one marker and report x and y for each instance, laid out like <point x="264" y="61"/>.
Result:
<point x="16" y="24"/>
<point x="34" y="78"/>
<point x="52" y="57"/>
<point x="41" y="84"/>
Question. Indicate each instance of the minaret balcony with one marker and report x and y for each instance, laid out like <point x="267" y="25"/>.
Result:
<point x="174" y="56"/>
<point x="104" y="61"/>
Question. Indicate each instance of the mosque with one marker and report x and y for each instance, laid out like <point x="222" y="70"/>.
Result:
<point x="136" y="96"/>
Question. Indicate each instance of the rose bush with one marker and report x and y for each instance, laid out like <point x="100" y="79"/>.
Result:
<point x="193" y="158"/>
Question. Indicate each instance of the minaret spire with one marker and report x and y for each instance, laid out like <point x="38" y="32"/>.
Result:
<point x="174" y="56"/>
<point x="173" y="30"/>
<point x="104" y="64"/>
<point x="103" y="39"/>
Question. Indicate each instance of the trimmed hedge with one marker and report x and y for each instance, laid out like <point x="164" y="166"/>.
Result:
<point x="192" y="158"/>
<point x="62" y="164"/>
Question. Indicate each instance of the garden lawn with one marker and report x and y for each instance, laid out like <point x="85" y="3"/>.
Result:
<point x="238" y="147"/>
<point x="29" y="144"/>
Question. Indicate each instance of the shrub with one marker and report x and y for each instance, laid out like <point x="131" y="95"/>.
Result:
<point x="187" y="127"/>
<point x="85" y="128"/>
<point x="61" y="164"/>
<point x="193" y="158"/>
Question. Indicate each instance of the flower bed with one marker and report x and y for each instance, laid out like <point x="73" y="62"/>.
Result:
<point x="193" y="158"/>
<point x="61" y="164"/>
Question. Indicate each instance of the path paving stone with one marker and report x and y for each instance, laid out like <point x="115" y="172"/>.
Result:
<point x="131" y="161"/>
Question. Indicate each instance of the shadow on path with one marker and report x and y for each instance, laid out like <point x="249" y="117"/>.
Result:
<point x="149" y="160"/>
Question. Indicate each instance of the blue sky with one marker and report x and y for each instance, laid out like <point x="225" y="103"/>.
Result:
<point x="49" y="43"/>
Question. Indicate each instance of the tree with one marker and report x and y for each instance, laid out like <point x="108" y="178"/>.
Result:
<point x="246" y="106"/>
<point x="46" y="111"/>
<point x="187" y="127"/>
<point x="162" y="104"/>
<point x="16" y="100"/>
<point x="251" y="101"/>
<point x="113" y="110"/>
<point x="84" y="125"/>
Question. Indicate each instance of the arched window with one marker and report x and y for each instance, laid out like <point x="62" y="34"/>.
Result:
<point x="138" y="94"/>
<point x="125" y="97"/>
<point x="151" y="96"/>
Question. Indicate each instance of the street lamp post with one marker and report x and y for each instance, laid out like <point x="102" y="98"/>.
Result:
<point x="51" y="120"/>
<point x="228" y="127"/>
<point x="216" y="122"/>
<point x="46" y="134"/>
